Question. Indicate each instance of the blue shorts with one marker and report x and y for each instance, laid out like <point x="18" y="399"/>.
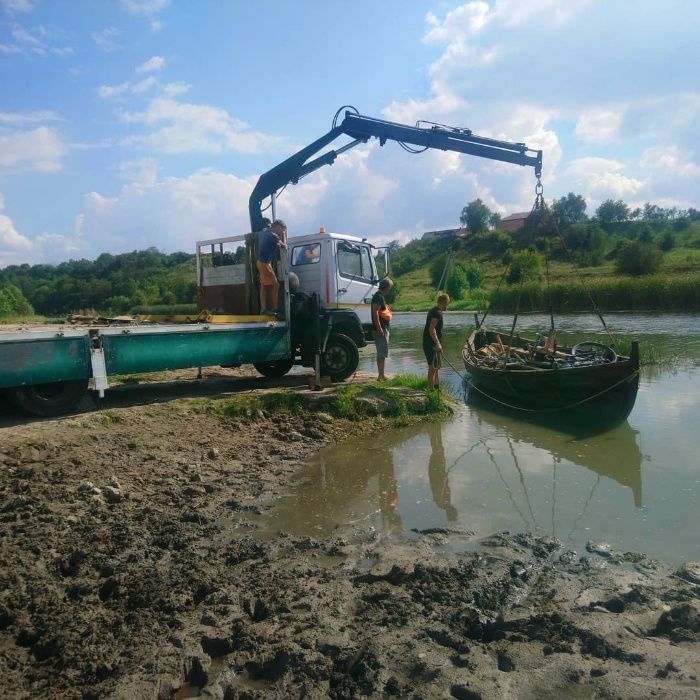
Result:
<point x="382" y="345"/>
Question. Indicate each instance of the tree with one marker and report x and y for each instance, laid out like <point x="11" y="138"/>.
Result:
<point x="653" y="212"/>
<point x="494" y="220"/>
<point x="570" y="209"/>
<point x="611" y="211"/>
<point x="586" y="242"/>
<point x="475" y="216"/>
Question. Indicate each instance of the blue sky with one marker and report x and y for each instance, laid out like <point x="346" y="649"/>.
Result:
<point x="133" y="123"/>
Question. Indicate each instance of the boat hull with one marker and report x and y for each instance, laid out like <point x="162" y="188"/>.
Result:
<point x="608" y="390"/>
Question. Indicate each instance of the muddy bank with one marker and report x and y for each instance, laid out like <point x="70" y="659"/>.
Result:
<point x="133" y="566"/>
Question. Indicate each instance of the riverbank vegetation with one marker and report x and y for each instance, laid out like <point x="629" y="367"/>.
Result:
<point x="401" y="397"/>
<point x="646" y="258"/>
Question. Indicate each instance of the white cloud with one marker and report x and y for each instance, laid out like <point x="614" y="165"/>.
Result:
<point x="144" y="7"/>
<point x="602" y="178"/>
<point x="174" y="89"/>
<point x="41" y="43"/>
<point x="195" y="128"/>
<point x="27" y="118"/>
<point x="512" y="13"/>
<point x="34" y="150"/>
<point x="148" y="9"/>
<point x="152" y="64"/>
<point x="13" y="245"/>
<point x="143" y="172"/>
<point x="669" y="159"/>
<point x="144" y="86"/>
<point x="598" y="125"/>
<point x="169" y="214"/>
<point x="18" y="5"/>
<point x="108" y="91"/>
<point x="463" y="20"/>
<point x="107" y="39"/>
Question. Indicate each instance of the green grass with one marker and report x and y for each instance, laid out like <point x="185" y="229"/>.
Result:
<point x="30" y="318"/>
<point x="110" y="418"/>
<point x="128" y="378"/>
<point x="410" y="381"/>
<point x="349" y="401"/>
<point x="249" y="405"/>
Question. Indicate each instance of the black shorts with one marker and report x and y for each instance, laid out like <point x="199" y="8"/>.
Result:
<point x="431" y="355"/>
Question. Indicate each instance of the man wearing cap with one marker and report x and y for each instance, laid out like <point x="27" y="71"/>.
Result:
<point x="271" y="239"/>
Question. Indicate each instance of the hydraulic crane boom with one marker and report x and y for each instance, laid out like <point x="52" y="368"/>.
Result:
<point x="361" y="128"/>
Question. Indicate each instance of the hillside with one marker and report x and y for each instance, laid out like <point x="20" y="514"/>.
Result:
<point x="589" y="258"/>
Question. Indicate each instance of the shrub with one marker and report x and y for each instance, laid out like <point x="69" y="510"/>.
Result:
<point x="13" y="302"/>
<point x="394" y="293"/>
<point x="668" y="241"/>
<point x="474" y="274"/>
<point x="404" y="264"/>
<point x="437" y="267"/>
<point x="456" y="281"/>
<point x="638" y="258"/>
<point x="525" y="265"/>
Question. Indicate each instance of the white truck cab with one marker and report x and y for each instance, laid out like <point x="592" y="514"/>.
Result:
<point x="340" y="268"/>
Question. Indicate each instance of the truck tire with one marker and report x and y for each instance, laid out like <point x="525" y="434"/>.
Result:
<point x="51" y="399"/>
<point x="341" y="357"/>
<point x="275" y="368"/>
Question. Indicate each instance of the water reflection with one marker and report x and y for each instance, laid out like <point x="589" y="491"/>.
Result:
<point x="485" y="472"/>
<point x="438" y="474"/>
<point x="607" y="448"/>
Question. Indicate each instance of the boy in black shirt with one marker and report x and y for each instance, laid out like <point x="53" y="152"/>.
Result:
<point x="432" y="336"/>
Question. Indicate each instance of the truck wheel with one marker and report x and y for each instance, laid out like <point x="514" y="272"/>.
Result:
<point x="341" y="357"/>
<point x="51" y="399"/>
<point x="275" y="368"/>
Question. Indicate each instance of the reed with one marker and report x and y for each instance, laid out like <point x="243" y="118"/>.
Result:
<point x="653" y="293"/>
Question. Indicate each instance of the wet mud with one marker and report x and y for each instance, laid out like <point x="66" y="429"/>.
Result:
<point x="135" y="564"/>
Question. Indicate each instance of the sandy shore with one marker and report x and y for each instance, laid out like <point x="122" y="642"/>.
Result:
<point x="133" y="566"/>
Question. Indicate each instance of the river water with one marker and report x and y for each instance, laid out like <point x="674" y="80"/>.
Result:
<point x="636" y="485"/>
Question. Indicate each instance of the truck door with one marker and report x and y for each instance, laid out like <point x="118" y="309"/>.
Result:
<point x="356" y="278"/>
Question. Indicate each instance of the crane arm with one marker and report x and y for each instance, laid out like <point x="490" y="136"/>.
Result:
<point x="361" y="128"/>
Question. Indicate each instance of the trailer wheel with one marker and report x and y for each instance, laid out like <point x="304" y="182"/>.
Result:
<point x="275" y="368"/>
<point x="340" y="358"/>
<point x="51" y="399"/>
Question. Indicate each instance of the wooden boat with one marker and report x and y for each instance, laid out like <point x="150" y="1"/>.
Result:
<point x="588" y="378"/>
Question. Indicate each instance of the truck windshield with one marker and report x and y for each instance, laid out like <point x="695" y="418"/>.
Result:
<point x="354" y="261"/>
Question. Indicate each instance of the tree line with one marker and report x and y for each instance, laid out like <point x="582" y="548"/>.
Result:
<point x="634" y="238"/>
<point x="111" y="283"/>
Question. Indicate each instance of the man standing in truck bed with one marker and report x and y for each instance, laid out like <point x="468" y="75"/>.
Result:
<point x="270" y="240"/>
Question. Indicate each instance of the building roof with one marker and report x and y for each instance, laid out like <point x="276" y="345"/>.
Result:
<point x="517" y="215"/>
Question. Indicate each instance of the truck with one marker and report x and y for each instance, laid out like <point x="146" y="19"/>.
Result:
<point x="327" y="283"/>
